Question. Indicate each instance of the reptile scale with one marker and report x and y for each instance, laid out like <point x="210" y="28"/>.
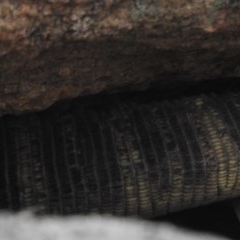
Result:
<point x="124" y="158"/>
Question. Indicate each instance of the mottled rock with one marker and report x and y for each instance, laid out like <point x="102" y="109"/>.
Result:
<point x="55" y="49"/>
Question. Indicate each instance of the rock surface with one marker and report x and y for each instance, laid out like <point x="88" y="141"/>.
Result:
<point x="23" y="226"/>
<point x="55" y="49"/>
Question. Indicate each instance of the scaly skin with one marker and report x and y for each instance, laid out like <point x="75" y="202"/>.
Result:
<point x="123" y="158"/>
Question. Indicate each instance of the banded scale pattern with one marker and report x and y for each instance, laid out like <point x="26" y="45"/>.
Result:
<point x="127" y="158"/>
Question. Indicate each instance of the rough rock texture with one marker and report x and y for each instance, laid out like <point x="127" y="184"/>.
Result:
<point x="54" y="49"/>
